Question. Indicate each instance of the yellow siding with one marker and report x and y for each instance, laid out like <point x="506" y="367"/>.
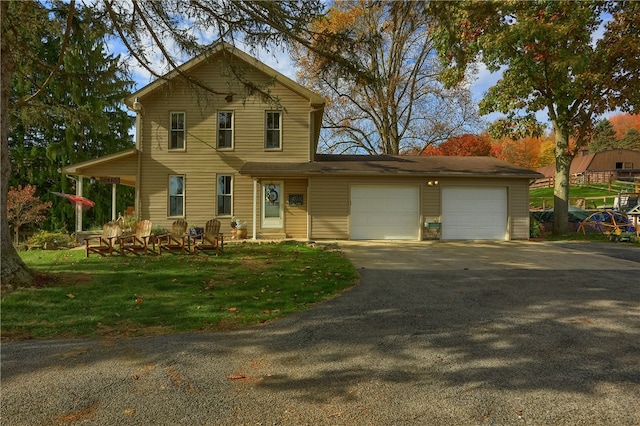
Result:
<point x="329" y="207"/>
<point x="329" y="201"/>
<point x="201" y="161"/>
<point x="519" y="209"/>
<point x="295" y="216"/>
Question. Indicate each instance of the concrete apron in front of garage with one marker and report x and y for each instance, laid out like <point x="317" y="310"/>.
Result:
<point x="486" y="255"/>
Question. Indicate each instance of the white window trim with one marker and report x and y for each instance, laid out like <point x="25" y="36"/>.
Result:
<point x="184" y="130"/>
<point x="280" y="115"/>
<point x="233" y="130"/>
<point x="184" y="192"/>
<point x="218" y="176"/>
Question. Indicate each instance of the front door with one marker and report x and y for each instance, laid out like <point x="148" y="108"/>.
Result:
<point x="272" y="206"/>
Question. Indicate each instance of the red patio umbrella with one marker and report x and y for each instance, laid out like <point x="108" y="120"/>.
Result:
<point x="85" y="203"/>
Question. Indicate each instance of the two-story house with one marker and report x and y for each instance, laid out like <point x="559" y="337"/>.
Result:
<point x="231" y="152"/>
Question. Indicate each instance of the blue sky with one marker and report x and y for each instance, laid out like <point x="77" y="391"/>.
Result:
<point x="279" y="60"/>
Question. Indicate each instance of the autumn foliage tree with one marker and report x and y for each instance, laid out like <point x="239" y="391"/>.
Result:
<point x="550" y="61"/>
<point x="523" y="152"/>
<point x="461" y="146"/>
<point x="24" y="208"/>
<point x="622" y="123"/>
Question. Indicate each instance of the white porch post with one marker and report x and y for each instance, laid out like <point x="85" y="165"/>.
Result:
<point x="78" y="206"/>
<point x="113" y="201"/>
<point x="255" y="209"/>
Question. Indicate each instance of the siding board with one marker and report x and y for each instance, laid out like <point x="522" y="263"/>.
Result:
<point x="201" y="161"/>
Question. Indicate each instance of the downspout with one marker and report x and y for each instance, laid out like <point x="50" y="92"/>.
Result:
<point x="308" y="209"/>
<point x="137" y="201"/>
<point x="312" y="155"/>
<point x="255" y="209"/>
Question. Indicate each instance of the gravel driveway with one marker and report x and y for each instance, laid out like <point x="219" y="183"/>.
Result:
<point x="437" y="333"/>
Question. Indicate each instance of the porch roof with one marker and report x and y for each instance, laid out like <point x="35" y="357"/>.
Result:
<point x="120" y="165"/>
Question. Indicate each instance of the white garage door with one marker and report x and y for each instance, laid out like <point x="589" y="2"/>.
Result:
<point x="474" y="213"/>
<point x="385" y="212"/>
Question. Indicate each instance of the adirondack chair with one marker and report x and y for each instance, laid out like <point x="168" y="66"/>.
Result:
<point x="106" y="242"/>
<point x="138" y="242"/>
<point x="211" y="238"/>
<point x="177" y="240"/>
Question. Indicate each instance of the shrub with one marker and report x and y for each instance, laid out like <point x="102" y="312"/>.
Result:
<point x="50" y="239"/>
<point x="535" y="227"/>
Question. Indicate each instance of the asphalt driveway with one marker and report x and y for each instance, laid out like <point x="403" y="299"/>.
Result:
<point x="517" y="333"/>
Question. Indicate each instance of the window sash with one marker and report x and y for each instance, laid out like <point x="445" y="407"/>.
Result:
<point x="225" y="129"/>
<point x="224" y="195"/>
<point x="176" y="195"/>
<point x="177" y="132"/>
<point x="272" y="129"/>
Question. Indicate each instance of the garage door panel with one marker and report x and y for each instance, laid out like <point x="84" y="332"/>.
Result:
<point x="474" y="213"/>
<point x="384" y="212"/>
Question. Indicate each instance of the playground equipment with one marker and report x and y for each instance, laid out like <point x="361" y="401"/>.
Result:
<point x="615" y="225"/>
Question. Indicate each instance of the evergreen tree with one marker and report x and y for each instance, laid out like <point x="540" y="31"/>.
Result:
<point x="79" y="118"/>
<point x="603" y="137"/>
<point x="630" y="140"/>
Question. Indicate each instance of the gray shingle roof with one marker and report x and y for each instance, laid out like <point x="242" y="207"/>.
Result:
<point x="381" y="165"/>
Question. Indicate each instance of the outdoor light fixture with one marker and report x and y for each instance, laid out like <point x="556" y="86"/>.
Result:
<point x="433" y="182"/>
<point x="137" y="106"/>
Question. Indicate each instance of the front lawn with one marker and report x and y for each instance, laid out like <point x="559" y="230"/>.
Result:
<point x="248" y="284"/>
<point x="595" y="195"/>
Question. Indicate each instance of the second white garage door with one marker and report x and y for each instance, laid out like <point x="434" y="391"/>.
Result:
<point x="474" y="213"/>
<point x="385" y="212"/>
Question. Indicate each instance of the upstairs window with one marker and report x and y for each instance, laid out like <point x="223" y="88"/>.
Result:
<point x="176" y="195"/>
<point x="225" y="129"/>
<point x="177" y="130"/>
<point x="273" y="133"/>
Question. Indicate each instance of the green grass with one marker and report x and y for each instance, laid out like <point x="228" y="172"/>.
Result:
<point x="133" y="296"/>
<point x="604" y="196"/>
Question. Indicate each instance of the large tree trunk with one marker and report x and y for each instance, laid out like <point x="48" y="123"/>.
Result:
<point x="14" y="272"/>
<point x="562" y="182"/>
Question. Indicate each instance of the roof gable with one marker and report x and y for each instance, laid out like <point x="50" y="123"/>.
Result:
<point x="314" y="99"/>
<point x="583" y="163"/>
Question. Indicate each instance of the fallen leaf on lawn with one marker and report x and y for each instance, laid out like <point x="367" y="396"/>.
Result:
<point x="139" y="300"/>
<point x="236" y="376"/>
<point x="71" y="296"/>
<point x="255" y="298"/>
<point x="135" y="376"/>
<point x="233" y="309"/>
<point x="266" y="311"/>
<point x="129" y="411"/>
